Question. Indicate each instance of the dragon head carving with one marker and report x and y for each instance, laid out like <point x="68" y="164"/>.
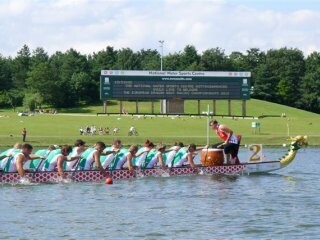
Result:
<point x="298" y="141"/>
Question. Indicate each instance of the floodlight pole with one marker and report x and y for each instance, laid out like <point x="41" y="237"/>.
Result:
<point x="161" y="55"/>
<point x="163" y="102"/>
<point x="208" y="128"/>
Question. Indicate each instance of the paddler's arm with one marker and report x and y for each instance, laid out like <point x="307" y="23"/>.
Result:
<point x="110" y="152"/>
<point x="190" y="160"/>
<point x="160" y="159"/>
<point x="76" y="157"/>
<point x="142" y="152"/>
<point x="60" y="165"/>
<point x="96" y="157"/>
<point x="34" y="157"/>
<point x="200" y="148"/>
<point x="69" y="159"/>
<point x="4" y="156"/>
<point x="175" y="148"/>
<point x="19" y="165"/>
<point x="129" y="158"/>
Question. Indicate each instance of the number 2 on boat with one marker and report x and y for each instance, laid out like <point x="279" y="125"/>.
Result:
<point x="255" y="151"/>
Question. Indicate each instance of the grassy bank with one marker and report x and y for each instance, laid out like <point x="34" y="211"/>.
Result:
<point x="61" y="128"/>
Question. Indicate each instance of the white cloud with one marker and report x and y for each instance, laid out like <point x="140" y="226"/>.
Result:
<point x="89" y="26"/>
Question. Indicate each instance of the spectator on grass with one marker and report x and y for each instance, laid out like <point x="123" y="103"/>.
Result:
<point x="24" y="134"/>
<point x="107" y="131"/>
<point x="88" y="130"/>
<point x="100" y="130"/>
<point x="115" y="131"/>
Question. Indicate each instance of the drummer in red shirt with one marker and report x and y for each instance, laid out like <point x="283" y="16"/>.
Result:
<point x="230" y="141"/>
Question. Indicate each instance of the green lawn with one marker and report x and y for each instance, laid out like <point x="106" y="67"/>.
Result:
<point x="62" y="128"/>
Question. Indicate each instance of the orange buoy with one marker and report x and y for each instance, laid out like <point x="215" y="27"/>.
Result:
<point x="109" y="180"/>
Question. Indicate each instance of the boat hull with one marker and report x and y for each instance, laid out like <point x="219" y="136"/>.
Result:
<point x="96" y="176"/>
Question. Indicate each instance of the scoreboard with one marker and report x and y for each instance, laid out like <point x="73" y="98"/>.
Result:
<point x="143" y="85"/>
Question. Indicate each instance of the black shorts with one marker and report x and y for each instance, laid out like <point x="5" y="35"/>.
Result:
<point x="228" y="148"/>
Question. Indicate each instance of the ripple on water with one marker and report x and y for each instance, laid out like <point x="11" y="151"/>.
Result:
<point x="281" y="205"/>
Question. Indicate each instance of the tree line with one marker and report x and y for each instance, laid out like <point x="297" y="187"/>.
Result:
<point x="67" y="79"/>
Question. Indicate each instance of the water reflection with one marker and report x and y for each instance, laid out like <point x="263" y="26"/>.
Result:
<point x="284" y="204"/>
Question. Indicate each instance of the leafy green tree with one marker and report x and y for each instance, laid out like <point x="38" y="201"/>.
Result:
<point x="215" y="59"/>
<point x="32" y="101"/>
<point x="253" y="58"/>
<point x="190" y="59"/>
<point x="264" y="87"/>
<point x="172" y="62"/>
<point x="5" y="74"/>
<point x="238" y="61"/>
<point x="73" y="62"/>
<point x="20" y="67"/>
<point x="149" y="59"/>
<point x="12" y="97"/>
<point x="39" y="56"/>
<point x="311" y="84"/>
<point x="65" y="65"/>
<point x="127" y="60"/>
<point x="85" y="88"/>
<point x="286" y="67"/>
<point x="291" y="63"/>
<point x="41" y="82"/>
<point x="103" y="60"/>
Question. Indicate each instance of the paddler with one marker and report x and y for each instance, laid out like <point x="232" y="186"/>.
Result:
<point x="93" y="159"/>
<point x="61" y="158"/>
<point x="143" y="153"/>
<point x="110" y="152"/>
<point x="79" y="148"/>
<point x="19" y="159"/>
<point x="230" y="141"/>
<point x="155" y="158"/>
<point x="191" y="152"/>
<point x="119" y="162"/>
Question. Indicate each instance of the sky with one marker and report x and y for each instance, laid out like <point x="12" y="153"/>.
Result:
<point x="90" y="26"/>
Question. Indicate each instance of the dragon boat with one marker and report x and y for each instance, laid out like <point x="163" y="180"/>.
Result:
<point x="249" y="167"/>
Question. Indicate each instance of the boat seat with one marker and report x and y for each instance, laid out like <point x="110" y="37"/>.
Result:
<point x="234" y="155"/>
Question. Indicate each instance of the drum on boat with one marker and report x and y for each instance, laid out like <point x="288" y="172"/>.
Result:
<point x="212" y="157"/>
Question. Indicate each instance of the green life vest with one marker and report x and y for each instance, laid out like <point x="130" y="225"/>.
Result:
<point x="116" y="159"/>
<point x="84" y="156"/>
<point x="9" y="159"/>
<point x="50" y="156"/>
<point x="34" y="163"/>
<point x="148" y="158"/>
<point x="178" y="155"/>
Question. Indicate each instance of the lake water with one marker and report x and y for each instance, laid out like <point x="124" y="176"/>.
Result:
<point x="280" y="205"/>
